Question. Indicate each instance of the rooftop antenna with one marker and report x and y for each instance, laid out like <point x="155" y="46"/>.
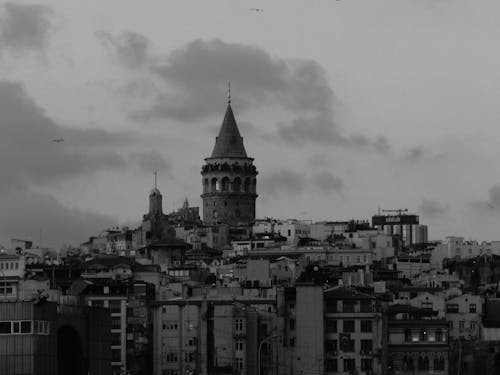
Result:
<point x="228" y="92"/>
<point x="156" y="176"/>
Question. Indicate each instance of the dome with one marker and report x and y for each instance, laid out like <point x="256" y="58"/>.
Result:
<point x="155" y="191"/>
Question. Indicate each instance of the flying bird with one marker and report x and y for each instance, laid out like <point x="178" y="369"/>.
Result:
<point x="257" y="9"/>
<point x="58" y="140"/>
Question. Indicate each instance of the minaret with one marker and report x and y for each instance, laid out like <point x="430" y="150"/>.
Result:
<point x="229" y="177"/>
<point x="155" y="200"/>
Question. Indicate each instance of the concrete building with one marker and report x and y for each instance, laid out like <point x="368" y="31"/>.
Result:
<point x="464" y="314"/>
<point x="458" y="247"/>
<point x="418" y="341"/>
<point x="12" y="269"/>
<point x="354" y="336"/>
<point x="47" y="338"/>
<point x="229" y="178"/>
<point x="215" y="333"/>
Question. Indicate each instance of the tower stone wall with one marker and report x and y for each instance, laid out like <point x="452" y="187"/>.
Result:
<point x="229" y="179"/>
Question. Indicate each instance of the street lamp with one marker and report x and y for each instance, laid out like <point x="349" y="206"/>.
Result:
<point x="266" y="339"/>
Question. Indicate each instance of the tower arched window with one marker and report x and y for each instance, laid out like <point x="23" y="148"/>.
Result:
<point x="254" y="185"/>
<point x="213" y="185"/>
<point x="247" y="185"/>
<point x="225" y="184"/>
<point x="206" y="185"/>
<point x="237" y="185"/>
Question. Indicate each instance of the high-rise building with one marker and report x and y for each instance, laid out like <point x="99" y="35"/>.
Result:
<point x="229" y="178"/>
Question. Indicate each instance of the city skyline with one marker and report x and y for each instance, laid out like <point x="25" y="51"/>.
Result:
<point x="345" y="106"/>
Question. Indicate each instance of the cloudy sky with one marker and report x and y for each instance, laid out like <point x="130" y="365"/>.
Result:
<point x="346" y="106"/>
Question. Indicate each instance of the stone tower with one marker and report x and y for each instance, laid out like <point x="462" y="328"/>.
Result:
<point x="229" y="178"/>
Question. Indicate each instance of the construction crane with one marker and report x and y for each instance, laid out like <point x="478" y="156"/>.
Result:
<point x="399" y="211"/>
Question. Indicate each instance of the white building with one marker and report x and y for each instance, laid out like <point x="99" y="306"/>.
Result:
<point x="457" y="247"/>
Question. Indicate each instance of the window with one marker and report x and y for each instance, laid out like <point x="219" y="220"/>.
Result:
<point x="239" y="363"/>
<point x="171" y="357"/>
<point x="366" y="364"/>
<point x="5" y="327"/>
<point x="116" y="323"/>
<point x="423" y="335"/>
<point x="473" y="325"/>
<point x="366" y="306"/>
<point x="331" y="365"/>
<point x="331" y="346"/>
<point x="366" y="326"/>
<point x="331" y="325"/>
<point x="452" y="308"/>
<point x="331" y="306"/>
<point x="407" y="335"/>
<point x="348" y="326"/>
<point x="189" y="357"/>
<point x="292" y="324"/>
<point x="26" y="327"/>
<point x="407" y="363"/>
<point x="170" y="325"/>
<point x="239" y="345"/>
<point x="348" y="306"/>
<point x="472" y="308"/>
<point x="292" y="342"/>
<point x="349" y="364"/>
<point x="238" y="325"/>
<point x="461" y="325"/>
<point x="438" y="363"/>
<point x="366" y="345"/>
<point x="439" y="335"/>
<point x="116" y="355"/>
<point x="423" y="363"/>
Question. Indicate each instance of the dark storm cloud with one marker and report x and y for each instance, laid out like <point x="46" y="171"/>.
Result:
<point x="29" y="155"/>
<point x="195" y="79"/>
<point x="430" y="208"/>
<point x="25" y="213"/>
<point x="283" y="181"/>
<point x="128" y="49"/>
<point x="25" y="27"/>
<point x="327" y="182"/>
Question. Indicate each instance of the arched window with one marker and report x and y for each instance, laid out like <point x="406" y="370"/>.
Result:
<point x="247" y="185"/>
<point x="237" y="184"/>
<point x="206" y="185"/>
<point x="438" y="363"/>
<point x="423" y="363"/>
<point x="254" y="185"/>
<point x="215" y="214"/>
<point x="405" y="363"/>
<point x="214" y="185"/>
<point x="410" y="363"/>
<point x="225" y="184"/>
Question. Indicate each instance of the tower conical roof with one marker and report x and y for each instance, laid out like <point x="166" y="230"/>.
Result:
<point x="229" y="142"/>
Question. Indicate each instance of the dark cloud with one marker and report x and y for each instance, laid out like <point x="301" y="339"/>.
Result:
<point x="195" y="79"/>
<point x="284" y="181"/>
<point x="24" y="214"/>
<point x="430" y="208"/>
<point x="30" y="157"/>
<point x="129" y="49"/>
<point x="25" y="27"/>
<point x="327" y="182"/>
